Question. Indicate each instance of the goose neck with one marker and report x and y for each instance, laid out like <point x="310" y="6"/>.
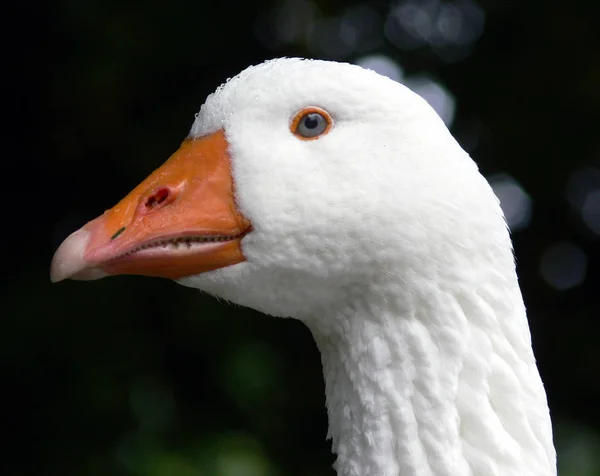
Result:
<point x="445" y="384"/>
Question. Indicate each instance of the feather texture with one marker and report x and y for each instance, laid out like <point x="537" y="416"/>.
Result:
<point x="383" y="237"/>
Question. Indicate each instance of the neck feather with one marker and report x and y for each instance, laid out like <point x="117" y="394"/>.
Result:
<point x="435" y="381"/>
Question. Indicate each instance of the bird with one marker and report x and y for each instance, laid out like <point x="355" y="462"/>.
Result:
<point x="325" y="192"/>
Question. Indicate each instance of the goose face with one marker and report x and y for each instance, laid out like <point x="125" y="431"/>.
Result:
<point x="371" y="196"/>
<point x="336" y="175"/>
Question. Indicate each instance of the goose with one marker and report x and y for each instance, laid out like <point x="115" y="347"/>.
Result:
<point x="328" y="193"/>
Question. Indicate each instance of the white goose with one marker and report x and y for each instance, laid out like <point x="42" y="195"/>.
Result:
<point x="328" y="193"/>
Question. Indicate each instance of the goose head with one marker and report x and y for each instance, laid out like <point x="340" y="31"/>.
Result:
<point x="328" y="193"/>
<point x="378" y="185"/>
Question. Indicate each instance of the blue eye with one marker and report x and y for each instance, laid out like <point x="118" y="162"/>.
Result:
<point x="310" y="123"/>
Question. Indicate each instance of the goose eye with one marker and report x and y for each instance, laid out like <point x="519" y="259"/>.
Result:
<point x="311" y="123"/>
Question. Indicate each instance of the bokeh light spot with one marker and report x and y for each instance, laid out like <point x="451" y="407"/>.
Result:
<point x="383" y="65"/>
<point x="514" y="200"/>
<point x="438" y="97"/>
<point x="583" y="194"/>
<point x="449" y="28"/>
<point x="590" y="211"/>
<point x="563" y="265"/>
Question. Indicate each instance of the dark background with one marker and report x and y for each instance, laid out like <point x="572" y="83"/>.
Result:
<point x="139" y="376"/>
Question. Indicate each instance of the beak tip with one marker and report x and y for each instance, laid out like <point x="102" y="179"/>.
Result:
<point x="68" y="261"/>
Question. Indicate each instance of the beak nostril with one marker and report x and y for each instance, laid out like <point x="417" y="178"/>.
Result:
<point x="157" y="198"/>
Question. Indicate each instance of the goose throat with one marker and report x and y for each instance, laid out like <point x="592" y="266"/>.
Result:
<point x="444" y="384"/>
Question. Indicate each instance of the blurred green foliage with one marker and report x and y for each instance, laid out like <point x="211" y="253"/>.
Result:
<point x="137" y="376"/>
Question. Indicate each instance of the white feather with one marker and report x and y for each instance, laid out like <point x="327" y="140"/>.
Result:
<point x="383" y="237"/>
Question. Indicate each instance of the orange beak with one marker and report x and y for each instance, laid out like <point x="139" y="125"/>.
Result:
<point x="182" y="220"/>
